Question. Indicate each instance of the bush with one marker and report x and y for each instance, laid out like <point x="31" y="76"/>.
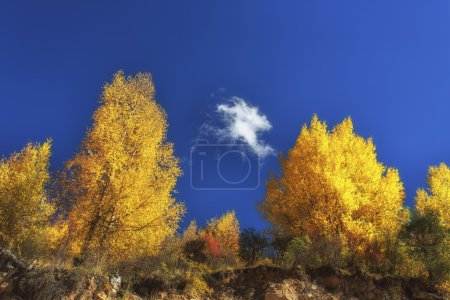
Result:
<point x="164" y="270"/>
<point x="399" y="260"/>
<point x="330" y="251"/>
<point x="195" y="250"/>
<point x="299" y="252"/>
<point x="196" y="285"/>
<point x="211" y="247"/>
<point x="252" y="245"/>
<point x="215" y="245"/>
<point x="429" y="241"/>
<point x="223" y="232"/>
<point x="278" y="245"/>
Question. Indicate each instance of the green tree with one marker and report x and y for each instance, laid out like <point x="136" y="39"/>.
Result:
<point x="252" y="245"/>
<point x="429" y="241"/>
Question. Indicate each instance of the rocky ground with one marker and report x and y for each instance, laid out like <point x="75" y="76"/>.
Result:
<point x="19" y="280"/>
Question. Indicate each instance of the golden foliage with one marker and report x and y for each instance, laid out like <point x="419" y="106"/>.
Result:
<point x="226" y="231"/>
<point x="437" y="197"/>
<point x="333" y="186"/>
<point x="121" y="181"/>
<point x="24" y="209"/>
<point x="191" y="232"/>
<point x="196" y="285"/>
<point x="57" y="234"/>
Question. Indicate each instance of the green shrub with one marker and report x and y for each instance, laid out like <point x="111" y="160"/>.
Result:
<point x="400" y="260"/>
<point x="299" y="252"/>
<point x="429" y="241"/>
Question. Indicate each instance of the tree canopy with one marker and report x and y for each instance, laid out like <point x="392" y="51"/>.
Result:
<point x="25" y="210"/>
<point x="332" y="186"/>
<point x="121" y="182"/>
<point x="437" y="196"/>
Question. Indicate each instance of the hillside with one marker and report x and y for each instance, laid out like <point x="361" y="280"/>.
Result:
<point x="20" y="280"/>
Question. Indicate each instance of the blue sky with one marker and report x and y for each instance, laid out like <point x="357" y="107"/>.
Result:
<point x="384" y="63"/>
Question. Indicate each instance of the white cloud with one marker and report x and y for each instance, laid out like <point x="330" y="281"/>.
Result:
<point x="242" y="123"/>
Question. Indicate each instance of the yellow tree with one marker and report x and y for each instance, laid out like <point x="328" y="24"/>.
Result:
<point x="24" y="210"/>
<point x="191" y="232"/>
<point x="332" y="187"/>
<point x="120" y="184"/>
<point x="437" y="197"/>
<point x="225" y="230"/>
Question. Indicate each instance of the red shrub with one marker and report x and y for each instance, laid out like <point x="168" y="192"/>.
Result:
<point x="211" y="247"/>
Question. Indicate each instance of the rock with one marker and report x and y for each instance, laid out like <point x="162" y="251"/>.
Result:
<point x="32" y="265"/>
<point x="6" y="288"/>
<point x="293" y="289"/>
<point x="116" y="283"/>
<point x="276" y="296"/>
<point x="283" y="291"/>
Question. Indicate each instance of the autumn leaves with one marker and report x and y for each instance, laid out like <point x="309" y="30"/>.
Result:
<point x="114" y="198"/>
<point x="333" y="186"/>
<point x="24" y="209"/>
<point x="121" y="180"/>
<point x="335" y="194"/>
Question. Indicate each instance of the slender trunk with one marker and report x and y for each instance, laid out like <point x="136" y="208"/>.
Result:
<point x="88" y="240"/>
<point x="95" y="222"/>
